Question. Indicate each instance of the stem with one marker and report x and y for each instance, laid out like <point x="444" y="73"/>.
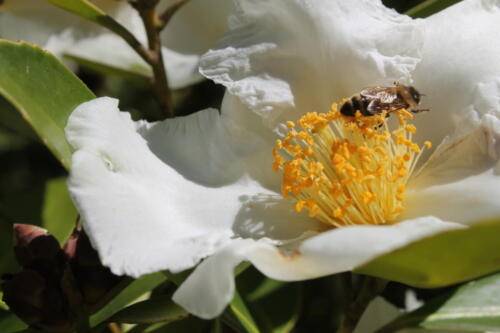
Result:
<point x="153" y="24"/>
<point x="127" y="36"/>
<point x="371" y="287"/>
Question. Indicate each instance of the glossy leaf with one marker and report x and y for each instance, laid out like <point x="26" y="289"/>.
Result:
<point x="276" y="306"/>
<point x="10" y="323"/>
<point x="154" y="310"/>
<point x="15" y="133"/>
<point x="43" y="90"/>
<point x="82" y="8"/>
<point x="3" y="306"/>
<point x="429" y="7"/>
<point x="135" y="290"/>
<point x="473" y="307"/>
<point x="58" y="214"/>
<point x="441" y="260"/>
<point x="239" y="310"/>
<point x="188" y="325"/>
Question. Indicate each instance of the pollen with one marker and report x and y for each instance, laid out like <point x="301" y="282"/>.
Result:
<point x="348" y="170"/>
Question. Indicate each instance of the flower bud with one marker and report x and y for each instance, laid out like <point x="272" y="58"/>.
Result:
<point x="36" y="293"/>
<point x="93" y="279"/>
<point x="37" y="301"/>
<point x="35" y="247"/>
<point x="56" y="284"/>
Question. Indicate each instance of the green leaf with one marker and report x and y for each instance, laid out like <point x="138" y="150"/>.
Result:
<point x="138" y="71"/>
<point x="188" y="325"/>
<point x="275" y="305"/>
<point x="236" y="315"/>
<point x="43" y="90"/>
<point x="15" y="133"/>
<point x="3" y="306"/>
<point x="443" y="259"/>
<point x="58" y="214"/>
<point x="239" y="310"/>
<point x="82" y="8"/>
<point x="154" y="310"/>
<point x="278" y="308"/>
<point x="473" y="307"/>
<point x="429" y="7"/>
<point x="10" y="323"/>
<point x="135" y="290"/>
<point x="89" y="11"/>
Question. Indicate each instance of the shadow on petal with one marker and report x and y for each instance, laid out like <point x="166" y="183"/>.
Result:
<point x="271" y="216"/>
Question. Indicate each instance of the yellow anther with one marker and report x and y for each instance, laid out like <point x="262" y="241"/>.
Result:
<point x="411" y="129"/>
<point x="368" y="197"/>
<point x="428" y="144"/>
<point x="347" y="170"/>
<point x="299" y="205"/>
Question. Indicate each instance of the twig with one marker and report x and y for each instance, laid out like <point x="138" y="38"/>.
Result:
<point x="127" y="36"/>
<point x="152" y="24"/>
<point x="371" y="288"/>
<point x="167" y="15"/>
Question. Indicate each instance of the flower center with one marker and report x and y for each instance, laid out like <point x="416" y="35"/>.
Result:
<point x="348" y="170"/>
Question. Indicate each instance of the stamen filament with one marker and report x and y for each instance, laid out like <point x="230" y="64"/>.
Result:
<point x="348" y="170"/>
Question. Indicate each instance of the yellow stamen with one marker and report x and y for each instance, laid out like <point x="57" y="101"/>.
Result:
<point x="348" y="170"/>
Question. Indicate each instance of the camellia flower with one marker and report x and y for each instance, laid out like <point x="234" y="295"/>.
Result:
<point x="281" y="178"/>
<point x="65" y="34"/>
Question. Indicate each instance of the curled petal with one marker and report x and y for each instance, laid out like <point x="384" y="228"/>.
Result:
<point x="330" y="252"/>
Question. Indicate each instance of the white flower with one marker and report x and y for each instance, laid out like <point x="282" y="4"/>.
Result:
<point x="191" y="32"/>
<point x="156" y="196"/>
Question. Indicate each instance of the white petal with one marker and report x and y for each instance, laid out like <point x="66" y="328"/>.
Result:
<point x="111" y="51"/>
<point x="182" y="69"/>
<point x="461" y="180"/>
<point x="181" y="49"/>
<point x="253" y="140"/>
<point x="287" y="57"/>
<point x="342" y="249"/>
<point x="197" y="146"/>
<point x="207" y="291"/>
<point x="140" y="213"/>
<point x="35" y="22"/>
<point x="330" y="252"/>
<point x="460" y="66"/>
<point x="45" y="24"/>
<point x="192" y="31"/>
<point x="197" y="26"/>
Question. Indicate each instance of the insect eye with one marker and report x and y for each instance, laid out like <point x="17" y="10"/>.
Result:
<point x="416" y="97"/>
<point x="415" y="94"/>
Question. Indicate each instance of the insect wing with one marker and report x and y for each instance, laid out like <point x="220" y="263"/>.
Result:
<point x="384" y="94"/>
